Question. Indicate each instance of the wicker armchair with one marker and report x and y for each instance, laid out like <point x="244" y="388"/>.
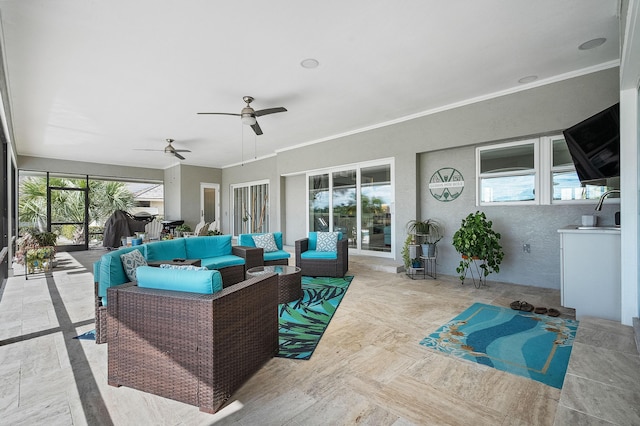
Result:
<point x="323" y="267"/>
<point x="194" y="348"/>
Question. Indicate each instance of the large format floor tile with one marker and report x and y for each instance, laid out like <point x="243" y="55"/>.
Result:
<point x="369" y="367"/>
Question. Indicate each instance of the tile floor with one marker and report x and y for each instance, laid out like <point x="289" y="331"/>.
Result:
<point x="368" y="368"/>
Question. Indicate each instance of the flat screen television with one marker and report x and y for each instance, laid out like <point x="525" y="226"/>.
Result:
<point x="594" y="145"/>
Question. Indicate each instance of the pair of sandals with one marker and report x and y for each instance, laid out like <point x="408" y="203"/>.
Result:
<point x="528" y="307"/>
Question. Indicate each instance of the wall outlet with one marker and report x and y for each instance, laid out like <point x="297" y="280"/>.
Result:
<point x="526" y="248"/>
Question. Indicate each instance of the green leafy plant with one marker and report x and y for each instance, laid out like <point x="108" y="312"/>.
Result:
<point x="214" y="232"/>
<point x="476" y="239"/>
<point x="33" y="245"/>
<point x="183" y="228"/>
<point x="426" y="231"/>
<point x="46" y="238"/>
<point x="405" y="251"/>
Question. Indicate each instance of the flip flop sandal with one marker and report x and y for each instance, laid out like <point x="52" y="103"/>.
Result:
<point x="526" y="307"/>
<point x="540" y="310"/>
<point x="516" y="305"/>
<point x="553" y="312"/>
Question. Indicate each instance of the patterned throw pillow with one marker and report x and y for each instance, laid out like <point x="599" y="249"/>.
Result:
<point x="130" y="261"/>
<point x="265" y="242"/>
<point x="184" y="267"/>
<point x="327" y="241"/>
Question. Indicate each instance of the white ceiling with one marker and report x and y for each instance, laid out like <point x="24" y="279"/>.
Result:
<point x="93" y="80"/>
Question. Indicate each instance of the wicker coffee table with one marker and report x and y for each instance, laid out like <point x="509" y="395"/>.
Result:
<point x="289" y="280"/>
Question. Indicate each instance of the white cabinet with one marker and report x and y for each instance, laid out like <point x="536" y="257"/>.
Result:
<point x="590" y="268"/>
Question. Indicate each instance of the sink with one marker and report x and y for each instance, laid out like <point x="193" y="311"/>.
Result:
<point x="601" y="228"/>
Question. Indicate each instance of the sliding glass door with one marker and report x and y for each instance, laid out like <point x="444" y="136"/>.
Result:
<point x="355" y="201"/>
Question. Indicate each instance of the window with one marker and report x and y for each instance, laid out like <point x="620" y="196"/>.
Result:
<point x="250" y="204"/>
<point x="533" y="171"/>
<point x="565" y="185"/>
<point x="508" y="173"/>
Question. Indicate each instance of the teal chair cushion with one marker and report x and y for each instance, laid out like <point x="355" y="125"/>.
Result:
<point x="276" y="255"/>
<point x="167" y="249"/>
<point x="192" y="281"/>
<point x="313" y="254"/>
<point x="247" y="239"/>
<point x="208" y="246"/>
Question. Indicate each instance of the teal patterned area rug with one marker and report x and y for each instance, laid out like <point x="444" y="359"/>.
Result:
<point x="303" y="322"/>
<point x="527" y="344"/>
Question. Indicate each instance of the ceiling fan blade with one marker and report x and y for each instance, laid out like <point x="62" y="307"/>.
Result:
<point x="269" y="111"/>
<point x="256" y="128"/>
<point x="178" y="155"/>
<point x="144" y="149"/>
<point x="181" y="150"/>
<point x="219" y="113"/>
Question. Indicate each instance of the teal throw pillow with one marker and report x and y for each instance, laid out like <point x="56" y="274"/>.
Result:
<point x="327" y="241"/>
<point x="130" y="261"/>
<point x="265" y="242"/>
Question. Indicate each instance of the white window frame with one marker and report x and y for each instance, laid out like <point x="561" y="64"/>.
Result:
<point x="536" y="172"/>
<point x="547" y="145"/>
<point x="543" y="168"/>
<point x="357" y="167"/>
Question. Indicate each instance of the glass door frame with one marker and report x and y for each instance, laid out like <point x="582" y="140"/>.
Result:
<point x="357" y="167"/>
<point x="85" y="223"/>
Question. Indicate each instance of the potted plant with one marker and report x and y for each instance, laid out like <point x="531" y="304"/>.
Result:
<point x="34" y="247"/>
<point x="180" y="229"/>
<point x="427" y="232"/>
<point x="476" y="240"/>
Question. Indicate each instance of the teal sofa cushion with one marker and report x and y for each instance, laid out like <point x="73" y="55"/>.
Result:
<point x="221" y="261"/>
<point x="96" y="271"/>
<point x="313" y="240"/>
<point x="208" y="246"/>
<point x="313" y="254"/>
<point x="111" y="270"/>
<point x="192" y="281"/>
<point x="167" y="249"/>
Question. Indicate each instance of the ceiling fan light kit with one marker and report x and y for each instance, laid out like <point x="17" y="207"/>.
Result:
<point x="248" y="115"/>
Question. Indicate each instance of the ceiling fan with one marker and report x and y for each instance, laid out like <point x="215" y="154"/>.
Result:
<point x="248" y="115"/>
<point x="169" y="149"/>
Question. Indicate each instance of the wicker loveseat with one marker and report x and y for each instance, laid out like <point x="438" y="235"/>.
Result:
<point x="276" y="257"/>
<point x="194" y="348"/>
<point x="317" y="263"/>
<point x="214" y="252"/>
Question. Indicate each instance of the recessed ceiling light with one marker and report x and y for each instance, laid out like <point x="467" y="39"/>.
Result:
<point x="591" y="44"/>
<point x="528" y="79"/>
<point x="310" y="63"/>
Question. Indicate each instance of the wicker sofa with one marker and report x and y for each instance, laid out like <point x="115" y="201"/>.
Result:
<point x="277" y="257"/>
<point x="317" y="263"/>
<point x="215" y="252"/>
<point x="194" y="348"/>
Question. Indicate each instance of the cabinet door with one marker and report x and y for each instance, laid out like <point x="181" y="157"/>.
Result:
<point x="591" y="274"/>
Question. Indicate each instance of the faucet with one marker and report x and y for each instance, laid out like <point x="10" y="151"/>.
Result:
<point x="603" y="196"/>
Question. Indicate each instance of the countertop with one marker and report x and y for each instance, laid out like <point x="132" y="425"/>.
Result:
<point x="575" y="229"/>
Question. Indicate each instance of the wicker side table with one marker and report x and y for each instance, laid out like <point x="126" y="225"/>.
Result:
<point x="289" y="280"/>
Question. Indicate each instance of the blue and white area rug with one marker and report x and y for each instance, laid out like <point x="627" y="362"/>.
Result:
<point x="523" y="343"/>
